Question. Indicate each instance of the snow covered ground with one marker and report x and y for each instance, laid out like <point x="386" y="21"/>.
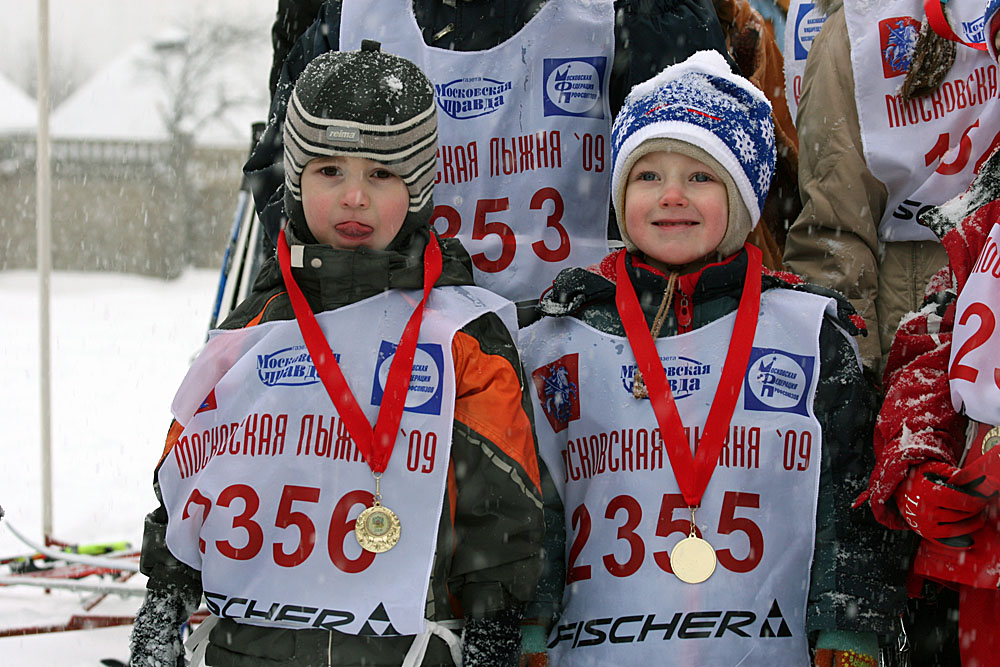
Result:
<point x="120" y="346"/>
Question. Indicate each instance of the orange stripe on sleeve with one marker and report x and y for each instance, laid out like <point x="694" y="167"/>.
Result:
<point x="176" y="428"/>
<point x="488" y="399"/>
<point x="256" y="320"/>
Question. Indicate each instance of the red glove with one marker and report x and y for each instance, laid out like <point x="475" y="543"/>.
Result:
<point x="938" y="510"/>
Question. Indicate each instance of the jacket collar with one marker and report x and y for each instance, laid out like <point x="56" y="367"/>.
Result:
<point x="331" y="278"/>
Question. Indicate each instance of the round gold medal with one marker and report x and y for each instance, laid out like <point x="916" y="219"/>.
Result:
<point x="992" y="439"/>
<point x="377" y="529"/>
<point x="693" y="560"/>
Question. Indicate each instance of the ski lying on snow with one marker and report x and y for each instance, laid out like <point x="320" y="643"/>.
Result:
<point x="115" y="561"/>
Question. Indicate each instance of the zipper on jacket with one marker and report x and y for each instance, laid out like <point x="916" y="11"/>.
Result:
<point x="682" y="309"/>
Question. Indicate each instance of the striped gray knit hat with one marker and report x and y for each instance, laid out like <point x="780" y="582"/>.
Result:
<point x="366" y="104"/>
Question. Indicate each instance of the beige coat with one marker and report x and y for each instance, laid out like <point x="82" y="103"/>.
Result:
<point x="834" y="241"/>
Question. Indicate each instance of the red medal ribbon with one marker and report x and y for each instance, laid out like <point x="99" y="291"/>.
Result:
<point x="939" y="24"/>
<point x="376" y="445"/>
<point x="692" y="472"/>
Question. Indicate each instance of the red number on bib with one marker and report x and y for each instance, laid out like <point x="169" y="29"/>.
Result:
<point x="987" y="323"/>
<point x="941" y="148"/>
<point x="552" y="221"/>
<point x="453" y="217"/>
<point x="729" y="523"/>
<point x="943" y="145"/>
<point x="798" y="447"/>
<point x="341" y="527"/>
<point x="255" y="535"/>
<point x="667" y="525"/>
<point x="481" y="229"/>
<point x="286" y="517"/>
<point x="508" y="240"/>
<point x="593" y="152"/>
<point x="197" y="499"/>
<point x="626" y="532"/>
<point x="574" y="572"/>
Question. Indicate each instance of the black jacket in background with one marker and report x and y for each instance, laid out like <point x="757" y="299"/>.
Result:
<point x="291" y="20"/>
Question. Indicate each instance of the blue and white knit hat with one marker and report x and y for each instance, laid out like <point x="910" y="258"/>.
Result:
<point x="699" y="103"/>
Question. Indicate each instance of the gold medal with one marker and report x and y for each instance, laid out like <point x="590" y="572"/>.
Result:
<point x="693" y="559"/>
<point x="992" y="439"/>
<point x="377" y="528"/>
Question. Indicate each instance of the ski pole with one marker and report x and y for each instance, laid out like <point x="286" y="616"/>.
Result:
<point x="242" y="201"/>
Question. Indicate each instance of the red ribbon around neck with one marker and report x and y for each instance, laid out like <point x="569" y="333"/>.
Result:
<point x="692" y="472"/>
<point x="375" y="444"/>
<point x="934" y="10"/>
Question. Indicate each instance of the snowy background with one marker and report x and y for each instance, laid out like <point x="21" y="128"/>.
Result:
<point x="85" y="36"/>
<point x="120" y="346"/>
<point x="120" y="343"/>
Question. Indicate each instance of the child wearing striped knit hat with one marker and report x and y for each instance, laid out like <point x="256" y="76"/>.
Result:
<point x="365" y="488"/>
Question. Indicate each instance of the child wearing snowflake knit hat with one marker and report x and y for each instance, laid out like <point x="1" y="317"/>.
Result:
<point x="683" y="388"/>
<point x="700" y="110"/>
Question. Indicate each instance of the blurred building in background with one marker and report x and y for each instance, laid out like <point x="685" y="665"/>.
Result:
<point x="147" y="156"/>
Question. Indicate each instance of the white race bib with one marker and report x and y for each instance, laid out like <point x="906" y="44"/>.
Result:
<point x="524" y="157"/>
<point x="264" y="483"/>
<point x="928" y="150"/>
<point x="974" y="368"/>
<point x="805" y="20"/>
<point x="625" y="512"/>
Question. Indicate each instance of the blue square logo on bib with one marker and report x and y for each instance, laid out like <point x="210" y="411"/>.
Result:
<point x="777" y="381"/>
<point x="573" y="86"/>
<point x="426" y="379"/>
<point x="808" y="22"/>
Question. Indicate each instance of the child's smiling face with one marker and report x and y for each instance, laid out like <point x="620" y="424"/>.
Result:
<point x="351" y="202"/>
<point x="676" y="208"/>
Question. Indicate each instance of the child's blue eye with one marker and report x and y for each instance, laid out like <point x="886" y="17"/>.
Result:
<point x="702" y="177"/>
<point x="646" y="176"/>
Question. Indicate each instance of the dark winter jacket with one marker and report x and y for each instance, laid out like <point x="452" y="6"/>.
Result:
<point x="649" y="35"/>
<point x="493" y="483"/>
<point x="290" y="21"/>
<point x="856" y="576"/>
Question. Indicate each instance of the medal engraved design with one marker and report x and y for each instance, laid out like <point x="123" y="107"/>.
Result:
<point x="377" y="528"/>
<point x="693" y="559"/>
<point x="992" y="439"/>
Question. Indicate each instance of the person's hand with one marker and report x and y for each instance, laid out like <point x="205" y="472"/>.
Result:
<point x="938" y="510"/>
<point x="156" y="633"/>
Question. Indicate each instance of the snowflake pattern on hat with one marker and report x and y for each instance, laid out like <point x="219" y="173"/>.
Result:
<point x="701" y="102"/>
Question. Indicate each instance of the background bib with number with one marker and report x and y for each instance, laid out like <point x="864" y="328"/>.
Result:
<point x="974" y="367"/>
<point x="926" y="151"/>
<point x="524" y="167"/>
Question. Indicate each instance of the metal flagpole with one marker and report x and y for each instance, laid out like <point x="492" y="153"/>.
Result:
<point x="43" y="222"/>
